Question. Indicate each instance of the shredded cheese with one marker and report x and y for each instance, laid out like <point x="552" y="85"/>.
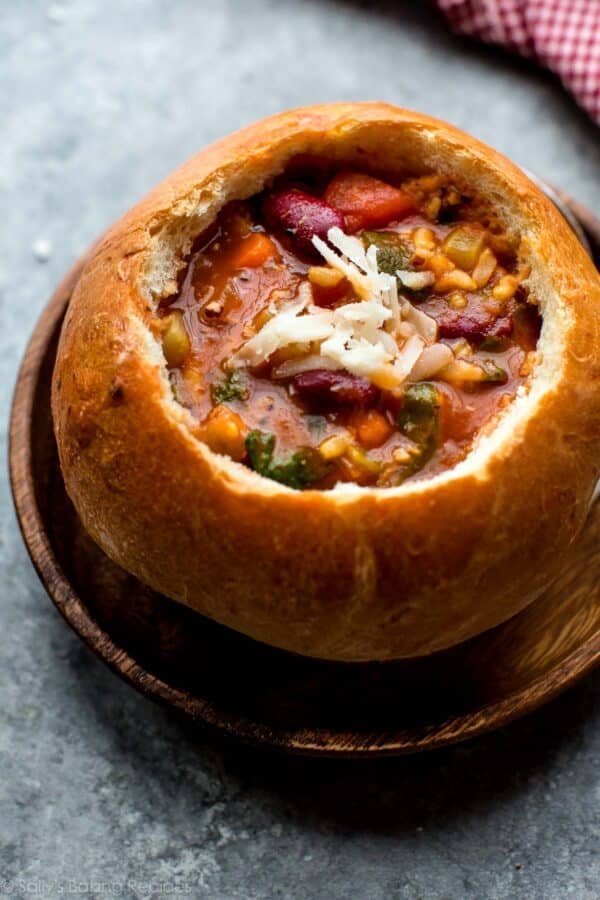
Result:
<point x="381" y="336"/>
<point x="415" y="281"/>
<point x="295" y="366"/>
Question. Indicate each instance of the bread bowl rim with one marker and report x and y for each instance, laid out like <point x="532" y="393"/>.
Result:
<point x="495" y="435"/>
<point x="117" y="264"/>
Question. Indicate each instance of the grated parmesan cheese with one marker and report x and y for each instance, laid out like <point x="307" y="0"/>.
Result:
<point x="381" y="336"/>
<point x="415" y="281"/>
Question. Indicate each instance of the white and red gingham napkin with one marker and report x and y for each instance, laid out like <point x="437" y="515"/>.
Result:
<point x="563" y="35"/>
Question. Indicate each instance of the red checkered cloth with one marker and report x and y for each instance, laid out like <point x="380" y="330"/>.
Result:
<point x="563" y="35"/>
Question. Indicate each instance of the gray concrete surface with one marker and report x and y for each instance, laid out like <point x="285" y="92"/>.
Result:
<point x="101" y="792"/>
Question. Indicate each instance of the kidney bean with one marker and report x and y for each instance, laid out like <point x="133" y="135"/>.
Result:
<point x="475" y="322"/>
<point x="324" y="388"/>
<point x="472" y="326"/>
<point x="302" y="216"/>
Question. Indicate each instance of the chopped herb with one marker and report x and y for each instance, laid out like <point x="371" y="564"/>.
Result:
<point x="304" y="467"/>
<point x="419" y="420"/>
<point x="393" y="253"/>
<point x="419" y="416"/>
<point x="233" y="387"/>
<point x="260" y="446"/>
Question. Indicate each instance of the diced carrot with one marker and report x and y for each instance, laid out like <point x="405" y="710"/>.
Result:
<point x="372" y="429"/>
<point x="254" y="251"/>
<point x="367" y="202"/>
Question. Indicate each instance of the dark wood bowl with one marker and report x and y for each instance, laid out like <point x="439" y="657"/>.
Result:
<point x="264" y="695"/>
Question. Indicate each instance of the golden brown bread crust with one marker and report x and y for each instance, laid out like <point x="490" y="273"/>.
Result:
<point x="350" y="575"/>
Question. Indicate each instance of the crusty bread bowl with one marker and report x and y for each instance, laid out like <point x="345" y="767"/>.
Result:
<point x="355" y="573"/>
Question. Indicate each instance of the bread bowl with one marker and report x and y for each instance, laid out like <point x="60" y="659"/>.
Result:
<point x="345" y="571"/>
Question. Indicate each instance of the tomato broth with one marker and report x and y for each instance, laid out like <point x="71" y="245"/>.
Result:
<point x="307" y="419"/>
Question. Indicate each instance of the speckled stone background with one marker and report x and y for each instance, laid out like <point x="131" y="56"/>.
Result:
<point x="101" y="792"/>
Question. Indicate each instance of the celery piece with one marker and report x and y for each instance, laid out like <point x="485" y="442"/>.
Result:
<point x="464" y="246"/>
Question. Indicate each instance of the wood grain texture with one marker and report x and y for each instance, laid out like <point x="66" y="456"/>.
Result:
<point x="264" y="695"/>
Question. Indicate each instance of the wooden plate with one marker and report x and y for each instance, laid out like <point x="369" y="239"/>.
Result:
<point x="268" y="696"/>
